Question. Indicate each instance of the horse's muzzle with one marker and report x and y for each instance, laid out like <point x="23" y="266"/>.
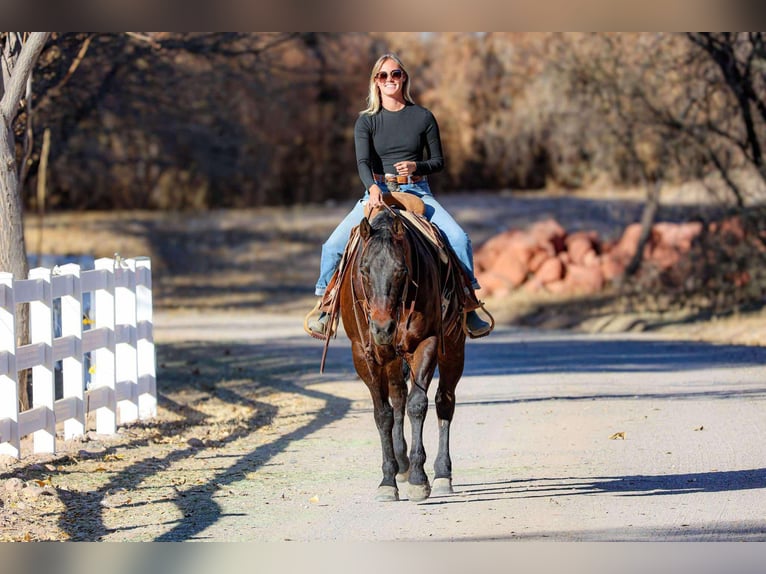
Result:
<point x="383" y="331"/>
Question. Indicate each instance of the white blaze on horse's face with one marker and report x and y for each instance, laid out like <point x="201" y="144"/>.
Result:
<point x="384" y="274"/>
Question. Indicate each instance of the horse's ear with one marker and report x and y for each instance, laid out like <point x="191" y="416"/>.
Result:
<point x="365" y="229"/>
<point x="397" y="227"/>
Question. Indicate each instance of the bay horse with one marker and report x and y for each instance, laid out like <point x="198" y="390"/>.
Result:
<point x="398" y="311"/>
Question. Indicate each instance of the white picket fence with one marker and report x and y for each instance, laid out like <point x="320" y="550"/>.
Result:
<point x="117" y="337"/>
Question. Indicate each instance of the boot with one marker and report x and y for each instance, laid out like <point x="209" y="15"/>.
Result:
<point x="319" y="325"/>
<point x="477" y="326"/>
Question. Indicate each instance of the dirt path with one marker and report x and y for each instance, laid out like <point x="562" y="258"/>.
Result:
<point x="532" y="451"/>
<point x="533" y="456"/>
<point x="251" y="443"/>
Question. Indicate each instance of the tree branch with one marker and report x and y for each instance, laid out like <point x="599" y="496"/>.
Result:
<point x="21" y="71"/>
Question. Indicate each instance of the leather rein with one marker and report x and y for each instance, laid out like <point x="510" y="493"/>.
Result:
<point x="362" y="312"/>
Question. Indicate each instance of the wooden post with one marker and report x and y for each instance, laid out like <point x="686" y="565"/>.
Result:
<point x="9" y="395"/>
<point x="147" y="374"/>
<point x="72" y="366"/>
<point x="125" y="328"/>
<point x="104" y="357"/>
<point x="43" y="385"/>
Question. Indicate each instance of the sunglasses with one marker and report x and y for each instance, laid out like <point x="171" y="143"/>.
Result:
<point x="395" y="75"/>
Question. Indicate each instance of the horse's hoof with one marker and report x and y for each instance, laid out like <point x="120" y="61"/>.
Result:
<point x="403" y="476"/>
<point x="387" y="494"/>
<point x="442" y="486"/>
<point x="418" y="492"/>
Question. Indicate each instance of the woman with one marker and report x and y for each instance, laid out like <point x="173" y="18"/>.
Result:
<point x="390" y="137"/>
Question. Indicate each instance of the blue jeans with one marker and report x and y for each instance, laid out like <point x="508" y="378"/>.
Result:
<point x="332" y="250"/>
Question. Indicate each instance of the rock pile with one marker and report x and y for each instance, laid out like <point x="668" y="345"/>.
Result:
<point x="544" y="257"/>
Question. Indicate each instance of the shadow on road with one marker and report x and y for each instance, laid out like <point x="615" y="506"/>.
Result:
<point x="632" y="485"/>
<point x="234" y="374"/>
<point x="575" y="354"/>
<point x="244" y="374"/>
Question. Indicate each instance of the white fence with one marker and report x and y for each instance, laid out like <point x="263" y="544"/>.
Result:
<point x="116" y="337"/>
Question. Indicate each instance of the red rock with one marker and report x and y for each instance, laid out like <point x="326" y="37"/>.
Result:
<point x="578" y="245"/>
<point x="549" y="231"/>
<point x="533" y="286"/>
<point x="510" y="266"/>
<point x="664" y="256"/>
<point x="539" y="256"/>
<point x="612" y="266"/>
<point x="486" y="254"/>
<point x="582" y="279"/>
<point x="591" y="259"/>
<point x="557" y="287"/>
<point x="493" y="285"/>
<point x="551" y="270"/>
<point x="688" y="232"/>
<point x="628" y="243"/>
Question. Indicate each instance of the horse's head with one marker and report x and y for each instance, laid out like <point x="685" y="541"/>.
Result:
<point x="383" y="272"/>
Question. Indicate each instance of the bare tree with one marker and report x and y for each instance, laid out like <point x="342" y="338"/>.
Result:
<point x="623" y="78"/>
<point x="18" y="60"/>
<point x="19" y="54"/>
<point x="734" y="130"/>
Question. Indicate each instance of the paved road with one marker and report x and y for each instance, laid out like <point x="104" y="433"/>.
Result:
<point x="557" y="436"/>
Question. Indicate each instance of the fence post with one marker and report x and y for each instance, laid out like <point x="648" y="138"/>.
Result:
<point x="104" y="357"/>
<point x="9" y="386"/>
<point x="73" y="373"/>
<point x="147" y="374"/>
<point x="43" y="384"/>
<point x="125" y="328"/>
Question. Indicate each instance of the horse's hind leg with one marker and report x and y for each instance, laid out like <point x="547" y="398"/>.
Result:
<point x="445" y="408"/>
<point x="450" y="372"/>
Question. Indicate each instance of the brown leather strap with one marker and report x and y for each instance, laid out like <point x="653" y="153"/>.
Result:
<point x="400" y="179"/>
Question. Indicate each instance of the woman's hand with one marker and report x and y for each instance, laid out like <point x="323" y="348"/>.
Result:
<point x="376" y="196"/>
<point x="405" y="167"/>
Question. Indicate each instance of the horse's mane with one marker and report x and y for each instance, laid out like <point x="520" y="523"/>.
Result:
<point x="383" y="221"/>
<point x="382" y="232"/>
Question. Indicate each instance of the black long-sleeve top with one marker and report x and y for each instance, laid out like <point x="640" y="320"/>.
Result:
<point x="385" y="138"/>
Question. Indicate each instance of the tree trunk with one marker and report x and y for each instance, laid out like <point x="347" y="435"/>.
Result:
<point x="12" y="251"/>
<point x="13" y="255"/>
<point x="649" y="215"/>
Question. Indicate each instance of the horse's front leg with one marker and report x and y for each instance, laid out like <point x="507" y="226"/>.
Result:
<point x="397" y="388"/>
<point x="377" y="383"/>
<point x="423" y="364"/>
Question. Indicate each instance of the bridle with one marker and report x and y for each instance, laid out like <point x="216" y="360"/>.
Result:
<point x="362" y="310"/>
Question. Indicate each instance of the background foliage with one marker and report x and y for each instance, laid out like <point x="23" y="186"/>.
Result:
<point x="174" y="121"/>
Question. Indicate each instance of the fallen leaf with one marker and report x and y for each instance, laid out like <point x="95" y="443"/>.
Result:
<point x="618" y="435"/>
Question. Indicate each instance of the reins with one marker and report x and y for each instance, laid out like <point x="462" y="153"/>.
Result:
<point x="363" y="301"/>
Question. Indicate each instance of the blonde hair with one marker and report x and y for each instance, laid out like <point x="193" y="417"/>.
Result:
<point x="373" y="98"/>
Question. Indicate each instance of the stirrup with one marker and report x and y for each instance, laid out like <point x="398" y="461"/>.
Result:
<point x="314" y="334"/>
<point x="480" y="335"/>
